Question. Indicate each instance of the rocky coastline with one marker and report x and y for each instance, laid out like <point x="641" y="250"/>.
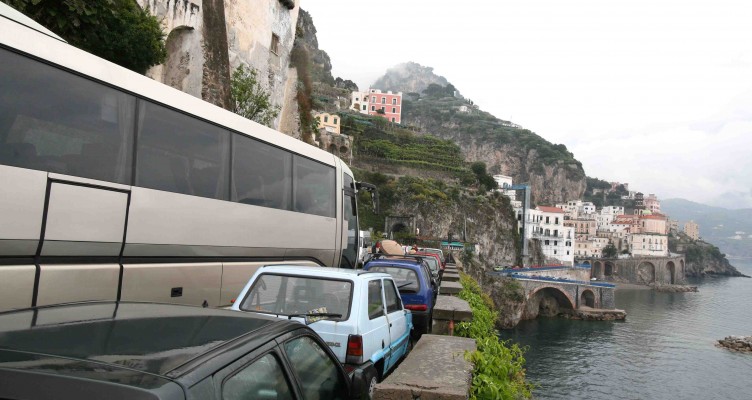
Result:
<point x="741" y="344"/>
<point x="587" y="314"/>
<point x="674" y="288"/>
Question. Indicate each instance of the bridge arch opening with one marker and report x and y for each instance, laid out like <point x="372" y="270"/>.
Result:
<point x="671" y="267"/>
<point x="646" y="273"/>
<point x="587" y="298"/>
<point x="596" y="271"/>
<point x="548" y="302"/>
<point x="609" y="269"/>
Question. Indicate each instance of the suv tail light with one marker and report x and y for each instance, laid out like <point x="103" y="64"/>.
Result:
<point x="354" y="349"/>
<point x="416" y="307"/>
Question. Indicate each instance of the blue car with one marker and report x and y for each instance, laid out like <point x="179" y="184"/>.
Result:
<point x="416" y="287"/>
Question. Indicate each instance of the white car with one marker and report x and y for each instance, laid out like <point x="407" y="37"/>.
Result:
<point x="359" y="314"/>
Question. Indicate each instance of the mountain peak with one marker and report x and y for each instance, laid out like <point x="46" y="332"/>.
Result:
<point x="409" y="77"/>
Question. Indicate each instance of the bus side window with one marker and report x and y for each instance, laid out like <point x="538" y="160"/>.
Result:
<point x="262" y="174"/>
<point x="314" y="187"/>
<point x="52" y="120"/>
<point x="179" y="153"/>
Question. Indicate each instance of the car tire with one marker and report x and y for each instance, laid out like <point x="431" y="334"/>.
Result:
<point x="372" y="379"/>
<point x="429" y="329"/>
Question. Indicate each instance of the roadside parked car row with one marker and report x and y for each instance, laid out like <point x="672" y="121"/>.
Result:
<point x="295" y="332"/>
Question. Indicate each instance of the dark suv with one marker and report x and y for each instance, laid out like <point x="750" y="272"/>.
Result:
<point x="416" y="286"/>
<point x="155" y="351"/>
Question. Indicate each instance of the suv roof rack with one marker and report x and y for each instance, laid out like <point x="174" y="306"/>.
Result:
<point x="382" y="255"/>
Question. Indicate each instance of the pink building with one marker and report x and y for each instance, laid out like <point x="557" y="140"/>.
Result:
<point x="376" y="102"/>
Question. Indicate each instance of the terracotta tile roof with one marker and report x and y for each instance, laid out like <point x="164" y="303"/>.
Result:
<point x="551" y="209"/>
<point x="660" y="217"/>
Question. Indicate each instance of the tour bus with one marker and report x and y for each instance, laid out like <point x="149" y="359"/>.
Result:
<point x="117" y="187"/>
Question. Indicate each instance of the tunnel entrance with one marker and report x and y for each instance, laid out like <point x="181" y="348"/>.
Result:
<point x="671" y="272"/>
<point x="587" y="298"/>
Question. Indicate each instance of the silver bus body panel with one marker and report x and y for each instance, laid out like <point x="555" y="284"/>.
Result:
<point x="198" y="282"/>
<point x="16" y="286"/>
<point x="83" y="221"/>
<point x="217" y="228"/>
<point x="21" y="208"/>
<point x="89" y="282"/>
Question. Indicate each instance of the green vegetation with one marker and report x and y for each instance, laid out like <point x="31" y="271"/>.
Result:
<point x="438" y="111"/>
<point x="610" y="251"/>
<point x="429" y="191"/>
<point x="485" y="180"/>
<point x="605" y="197"/>
<point x="499" y="371"/>
<point x="249" y="98"/>
<point x="116" y="30"/>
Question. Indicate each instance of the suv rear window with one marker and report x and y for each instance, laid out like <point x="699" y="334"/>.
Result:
<point x="288" y="295"/>
<point x="406" y="279"/>
<point x="433" y="264"/>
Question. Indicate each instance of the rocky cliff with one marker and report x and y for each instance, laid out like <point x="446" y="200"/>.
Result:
<point x="438" y="209"/>
<point x="551" y="170"/>
<point x="702" y="258"/>
<point x="305" y="36"/>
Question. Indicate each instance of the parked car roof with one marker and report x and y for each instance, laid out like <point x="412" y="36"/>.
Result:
<point x="138" y="344"/>
<point x="315" y="271"/>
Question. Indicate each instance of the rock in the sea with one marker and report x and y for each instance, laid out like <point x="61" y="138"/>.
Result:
<point x="675" y="288"/>
<point x="737" y="343"/>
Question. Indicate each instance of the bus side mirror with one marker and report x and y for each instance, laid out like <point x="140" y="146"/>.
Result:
<point x="370" y="188"/>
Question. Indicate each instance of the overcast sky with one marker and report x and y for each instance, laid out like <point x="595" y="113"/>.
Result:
<point x="656" y="93"/>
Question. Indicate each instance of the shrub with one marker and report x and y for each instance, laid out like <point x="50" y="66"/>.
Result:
<point x="250" y="99"/>
<point x="499" y="366"/>
<point x="116" y="30"/>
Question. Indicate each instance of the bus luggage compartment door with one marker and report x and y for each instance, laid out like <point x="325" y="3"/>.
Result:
<point x="84" y="220"/>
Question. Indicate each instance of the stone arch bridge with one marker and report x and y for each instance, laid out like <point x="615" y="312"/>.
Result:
<point x="550" y="297"/>
<point x="639" y="270"/>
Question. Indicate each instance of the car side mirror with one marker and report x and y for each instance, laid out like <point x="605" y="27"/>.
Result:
<point x="358" y="386"/>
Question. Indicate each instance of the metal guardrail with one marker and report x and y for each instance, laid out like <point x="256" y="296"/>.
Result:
<point x="517" y="275"/>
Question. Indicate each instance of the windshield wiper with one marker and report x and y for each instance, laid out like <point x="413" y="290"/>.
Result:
<point x="318" y="316"/>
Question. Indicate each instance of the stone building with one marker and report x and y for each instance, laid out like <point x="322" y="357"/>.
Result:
<point x="329" y="122"/>
<point x="208" y="39"/>
<point x="692" y="230"/>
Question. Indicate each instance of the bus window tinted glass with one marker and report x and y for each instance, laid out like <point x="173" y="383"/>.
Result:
<point x="261" y="174"/>
<point x="181" y="154"/>
<point x="54" y="121"/>
<point x="314" y="187"/>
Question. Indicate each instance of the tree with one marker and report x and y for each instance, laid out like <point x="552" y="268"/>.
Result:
<point x="249" y="98"/>
<point x="116" y="30"/>
<point x="484" y="179"/>
<point x="609" y="251"/>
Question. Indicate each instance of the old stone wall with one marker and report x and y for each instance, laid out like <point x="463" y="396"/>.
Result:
<point x="201" y="55"/>
<point x="641" y="270"/>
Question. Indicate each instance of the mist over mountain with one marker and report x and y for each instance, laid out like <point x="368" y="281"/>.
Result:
<point x="730" y="230"/>
<point x="409" y="77"/>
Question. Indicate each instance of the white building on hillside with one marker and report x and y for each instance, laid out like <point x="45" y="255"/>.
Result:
<point x="505" y="182"/>
<point x="557" y="240"/>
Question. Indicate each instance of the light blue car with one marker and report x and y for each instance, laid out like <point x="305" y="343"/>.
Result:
<point x="359" y="314"/>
